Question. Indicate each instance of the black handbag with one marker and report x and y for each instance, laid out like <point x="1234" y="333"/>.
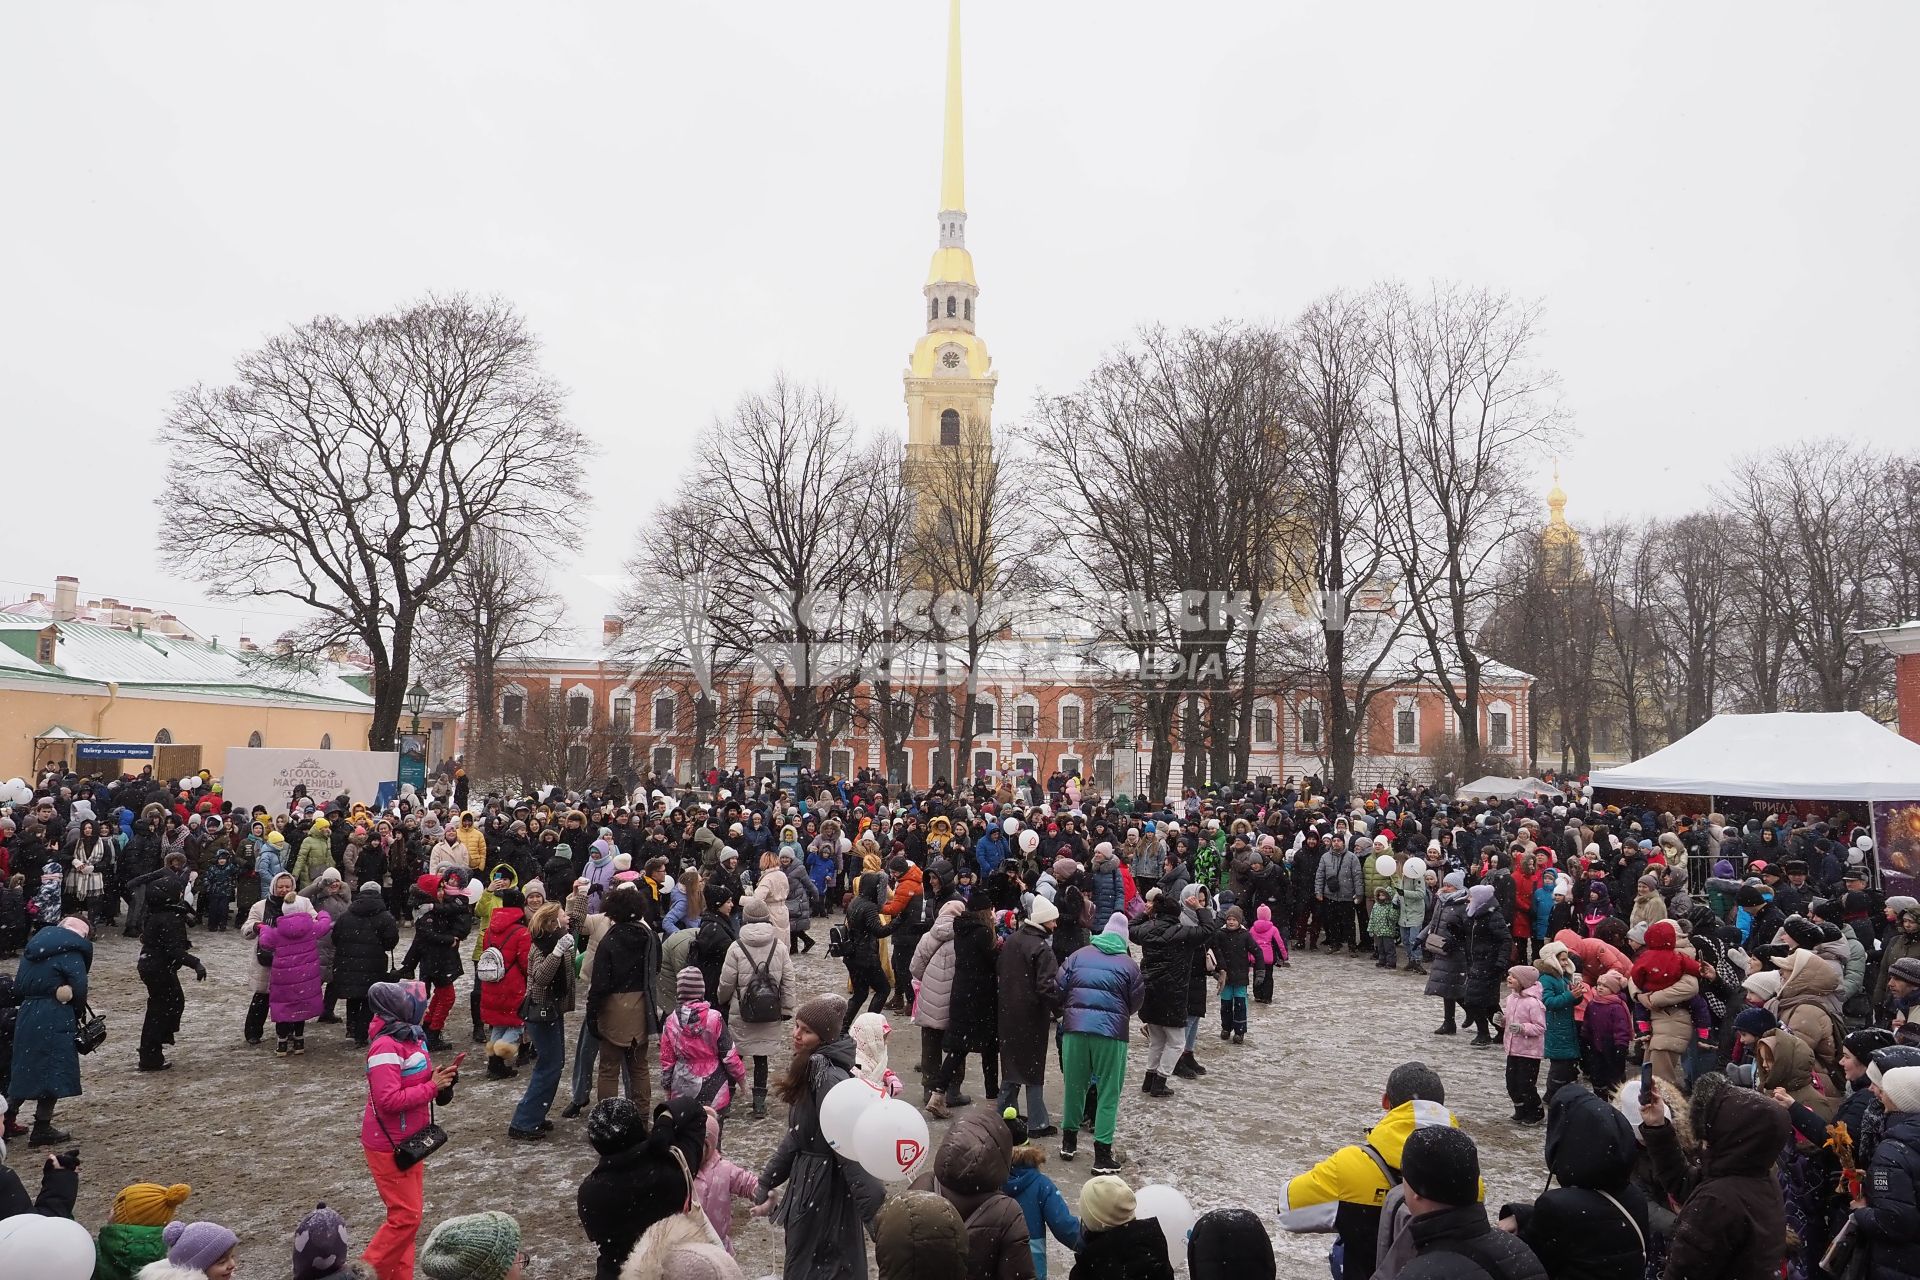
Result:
<point x="89" y="1031"/>
<point x="418" y="1146"/>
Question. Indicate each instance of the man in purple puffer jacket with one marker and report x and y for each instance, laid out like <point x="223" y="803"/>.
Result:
<point x="1103" y="991"/>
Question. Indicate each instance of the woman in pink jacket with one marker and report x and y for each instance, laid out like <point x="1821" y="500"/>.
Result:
<point x="294" y="989"/>
<point x="402" y="1087"/>
<point x="697" y="1056"/>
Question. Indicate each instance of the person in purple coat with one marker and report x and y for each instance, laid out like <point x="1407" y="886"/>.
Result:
<point x="294" y="990"/>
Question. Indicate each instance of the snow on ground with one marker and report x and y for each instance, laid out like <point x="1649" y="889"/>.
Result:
<point x="263" y="1139"/>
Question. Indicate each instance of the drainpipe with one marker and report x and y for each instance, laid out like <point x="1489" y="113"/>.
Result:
<point x="100" y="716"/>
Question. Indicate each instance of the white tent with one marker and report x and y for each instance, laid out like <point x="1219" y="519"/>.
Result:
<point x="1504" y="788"/>
<point x="1840" y="755"/>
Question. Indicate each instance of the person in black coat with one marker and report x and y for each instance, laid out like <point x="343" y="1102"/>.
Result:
<point x="1452" y="1239"/>
<point x="363" y="939"/>
<point x="140" y="857"/>
<point x="717" y="933"/>
<point x="164" y="951"/>
<point x="973" y="1017"/>
<point x="637" y="1181"/>
<point x="434" y="953"/>
<point x="1170" y="952"/>
<point x="1234" y="957"/>
<point x="864" y="931"/>
<point x="59" y="1188"/>
<point x="1306" y="869"/>
<point x="1489" y="946"/>
<point x="1594" y="1225"/>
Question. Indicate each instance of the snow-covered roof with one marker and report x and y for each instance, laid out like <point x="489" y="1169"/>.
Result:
<point x="89" y="653"/>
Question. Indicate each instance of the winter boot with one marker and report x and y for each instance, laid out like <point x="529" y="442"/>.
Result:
<point x="1446" y="1029"/>
<point x="1104" y="1159"/>
<point x="1239" y="1037"/>
<point x="759" y="1104"/>
<point x="1146" y="1085"/>
<point x="48" y="1136"/>
<point x="1193" y="1063"/>
<point x="936" y="1105"/>
<point x="1157" y="1086"/>
<point x="497" y="1068"/>
<point x="155" y="1063"/>
<point x="437" y="1043"/>
<point x="299" y="1046"/>
<point x="1186" y="1068"/>
<point x="281" y="1045"/>
<point x="573" y="1111"/>
<point x="1069" y="1143"/>
<point x="1414" y="966"/>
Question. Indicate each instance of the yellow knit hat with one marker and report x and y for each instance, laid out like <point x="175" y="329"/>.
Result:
<point x="148" y="1204"/>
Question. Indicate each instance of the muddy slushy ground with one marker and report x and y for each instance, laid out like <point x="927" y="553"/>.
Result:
<point x="263" y="1139"/>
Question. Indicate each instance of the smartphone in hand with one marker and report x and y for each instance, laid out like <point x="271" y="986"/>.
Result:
<point x="1647" y="1088"/>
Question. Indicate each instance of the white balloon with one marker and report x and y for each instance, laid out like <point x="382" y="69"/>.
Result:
<point x="188" y="784"/>
<point x="891" y="1140"/>
<point x="1029" y="840"/>
<point x="1175" y="1215"/>
<point x="14" y="784"/>
<point x="1010" y="826"/>
<point x="1863" y="842"/>
<point x="58" y="1248"/>
<point x="1382" y="865"/>
<point x="846" y="846"/>
<point x="842" y="1108"/>
<point x="1415" y="868"/>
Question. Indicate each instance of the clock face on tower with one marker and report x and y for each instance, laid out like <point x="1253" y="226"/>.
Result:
<point x="950" y="358"/>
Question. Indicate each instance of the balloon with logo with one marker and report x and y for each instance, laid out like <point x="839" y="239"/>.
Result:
<point x="841" y="1110"/>
<point x="1864" y="843"/>
<point x="1029" y="840"/>
<point x="891" y="1140"/>
<point x="45" y="1248"/>
<point x="1170" y="1208"/>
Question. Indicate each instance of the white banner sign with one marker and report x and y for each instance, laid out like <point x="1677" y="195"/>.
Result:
<point x="268" y="775"/>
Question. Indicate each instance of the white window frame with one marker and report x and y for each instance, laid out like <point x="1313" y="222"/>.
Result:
<point x="1319" y="743"/>
<point x="513" y="691"/>
<point x="653" y="712"/>
<point x="673" y="761"/>
<point x="1406" y="704"/>
<point x="840" y="762"/>
<point x="1078" y="705"/>
<point x="1078" y="764"/>
<point x="1503" y="708"/>
<point x="992" y="705"/>
<point x="620" y="715"/>
<point x="1264" y="706"/>
<point x="1026" y="762"/>
<point x="1028" y="705"/>
<point x="575" y="692"/>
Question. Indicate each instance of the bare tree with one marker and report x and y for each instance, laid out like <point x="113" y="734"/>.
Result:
<point x="351" y="465"/>
<point x="1688" y="606"/>
<point x="495" y="608"/>
<point x="1460" y="404"/>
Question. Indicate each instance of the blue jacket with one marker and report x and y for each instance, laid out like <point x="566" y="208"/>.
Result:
<point x="990" y="851"/>
<point x="676" y="917"/>
<point x="819" y="870"/>
<point x="45" y="1063"/>
<point x="1563" y="1038"/>
<point x="1109" y="890"/>
<point x="1103" y="992"/>
<point x="1046" y="1210"/>
<point x="1542" y="911"/>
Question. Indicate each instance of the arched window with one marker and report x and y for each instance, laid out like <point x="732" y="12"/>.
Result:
<point x="953" y="306"/>
<point x="967" y="307"/>
<point x="933" y="308"/>
<point x="663" y="713"/>
<point x="1311" y="724"/>
<point x="1072" y="714"/>
<point x="326" y="742"/>
<point x="1499" y="727"/>
<point x="255" y="740"/>
<point x="163" y="737"/>
<point x="950" y="426"/>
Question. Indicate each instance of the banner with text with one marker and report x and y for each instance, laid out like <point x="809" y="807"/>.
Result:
<point x="268" y="775"/>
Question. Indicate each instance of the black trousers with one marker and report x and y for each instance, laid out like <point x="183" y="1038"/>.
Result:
<point x="359" y="1017"/>
<point x="866" y="978"/>
<point x="953" y="1073"/>
<point x="1339" y="920"/>
<point x="1523" y="1085"/>
<point x="165" y="1001"/>
<point x="256" y="1017"/>
<point x="1561" y="1072"/>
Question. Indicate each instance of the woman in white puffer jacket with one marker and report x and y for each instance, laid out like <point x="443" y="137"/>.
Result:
<point x="933" y="966"/>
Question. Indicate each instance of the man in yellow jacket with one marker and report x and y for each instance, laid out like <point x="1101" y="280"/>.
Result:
<point x="1346" y="1192"/>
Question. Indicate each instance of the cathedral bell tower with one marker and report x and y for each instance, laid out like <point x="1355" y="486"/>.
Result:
<point x="950" y="378"/>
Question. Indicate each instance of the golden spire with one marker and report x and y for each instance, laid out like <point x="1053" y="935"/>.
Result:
<point x="1556" y="498"/>
<point x="953" y="191"/>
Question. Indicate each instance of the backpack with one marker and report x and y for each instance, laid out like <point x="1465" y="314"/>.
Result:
<point x="491" y="966"/>
<point x="760" y="998"/>
<point x="837" y="940"/>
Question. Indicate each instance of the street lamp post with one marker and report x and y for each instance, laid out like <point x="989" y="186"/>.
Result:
<point x="416" y="703"/>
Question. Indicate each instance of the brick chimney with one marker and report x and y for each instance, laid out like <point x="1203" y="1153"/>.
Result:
<point x="610" y="627"/>
<point x="66" y="598"/>
<point x="1903" y="642"/>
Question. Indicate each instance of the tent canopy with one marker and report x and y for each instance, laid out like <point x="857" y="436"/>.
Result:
<point x="1837" y="755"/>
<point x="1505" y="788"/>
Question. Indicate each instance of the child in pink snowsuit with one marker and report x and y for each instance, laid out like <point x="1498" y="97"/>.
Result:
<point x="1271" y="946"/>
<point x="697" y="1056"/>
<point x="719" y="1182"/>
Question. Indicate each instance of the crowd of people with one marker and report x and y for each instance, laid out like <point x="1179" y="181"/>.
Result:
<point x="1691" y="1006"/>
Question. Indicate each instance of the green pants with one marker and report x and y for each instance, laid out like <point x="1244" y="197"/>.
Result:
<point x="1103" y="1060"/>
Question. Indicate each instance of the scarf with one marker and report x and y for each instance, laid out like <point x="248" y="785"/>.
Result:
<point x="400" y="1006"/>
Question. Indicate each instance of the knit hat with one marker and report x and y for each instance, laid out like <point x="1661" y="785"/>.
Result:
<point x="614" y="1125"/>
<point x="1755" y="1021"/>
<point x="1063" y="867"/>
<point x="320" y="1244"/>
<point x="1902" y="1087"/>
<point x="1906" y="968"/>
<point x="1751" y="896"/>
<point x="1527" y="974"/>
<point x="1901" y="902"/>
<point x="700" y="1261"/>
<point x="77" y="924"/>
<point x="1106" y="1202"/>
<point x="148" y="1204"/>
<point x="1230" y="1242"/>
<point x="1116" y="924"/>
<point x="298" y="907"/>
<point x="1867" y="1041"/>
<point x="689" y="984"/>
<point x="1479" y="898"/>
<point x="331" y="875"/>
<point x="1042" y="912"/>
<point x="823" y="1014"/>
<point x="1441" y="1163"/>
<point x="1661" y="935"/>
<point x="623" y="862"/>
<point x="754" y="911"/>
<point x="199" y="1245"/>
<point x="473" y="1246"/>
<point x="370" y="886"/>
<point x="532" y="887"/>
<point x="1454" y="880"/>
<point x="1804" y="932"/>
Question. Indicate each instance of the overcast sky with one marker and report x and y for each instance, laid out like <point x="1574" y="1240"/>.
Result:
<point x="1718" y="204"/>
